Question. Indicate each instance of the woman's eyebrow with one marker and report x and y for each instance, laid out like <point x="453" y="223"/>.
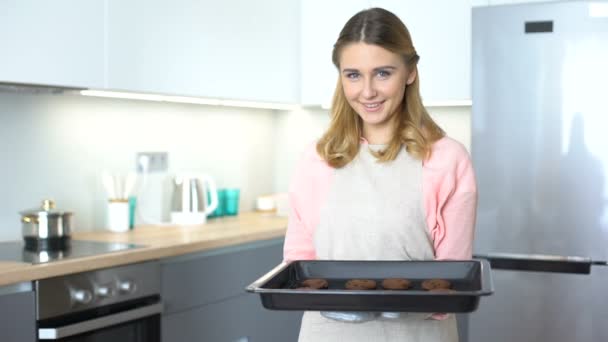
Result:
<point x="384" y="67"/>
<point x="391" y="67"/>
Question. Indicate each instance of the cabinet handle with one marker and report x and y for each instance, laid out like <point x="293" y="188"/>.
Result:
<point x="540" y="263"/>
<point x="98" y="323"/>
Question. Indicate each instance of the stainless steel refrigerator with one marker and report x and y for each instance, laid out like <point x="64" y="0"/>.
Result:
<point x="540" y="151"/>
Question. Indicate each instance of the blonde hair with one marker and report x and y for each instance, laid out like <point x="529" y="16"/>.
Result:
<point x="415" y="130"/>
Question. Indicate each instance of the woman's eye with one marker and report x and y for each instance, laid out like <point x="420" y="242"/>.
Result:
<point x="352" y="75"/>
<point x="383" y="74"/>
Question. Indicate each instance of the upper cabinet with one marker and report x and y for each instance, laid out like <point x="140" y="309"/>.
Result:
<point x="234" y="49"/>
<point x="58" y="42"/>
<point x="321" y="22"/>
<point x="441" y="32"/>
<point x="271" y="50"/>
<point x="440" y="29"/>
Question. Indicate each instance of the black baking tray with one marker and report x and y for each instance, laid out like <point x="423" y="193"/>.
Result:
<point x="470" y="280"/>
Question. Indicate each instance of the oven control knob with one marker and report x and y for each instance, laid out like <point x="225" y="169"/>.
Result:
<point x="104" y="291"/>
<point x="81" y="296"/>
<point x="126" y="286"/>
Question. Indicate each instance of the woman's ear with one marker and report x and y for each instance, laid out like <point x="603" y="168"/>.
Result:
<point x="412" y="77"/>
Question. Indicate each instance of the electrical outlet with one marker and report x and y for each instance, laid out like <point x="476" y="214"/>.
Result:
<point x="157" y="161"/>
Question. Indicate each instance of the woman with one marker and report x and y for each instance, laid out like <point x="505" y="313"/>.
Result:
<point x="383" y="183"/>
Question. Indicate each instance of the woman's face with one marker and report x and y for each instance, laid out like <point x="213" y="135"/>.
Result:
<point x="374" y="80"/>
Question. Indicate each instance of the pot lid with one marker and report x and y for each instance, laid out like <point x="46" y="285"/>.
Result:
<point x="46" y="208"/>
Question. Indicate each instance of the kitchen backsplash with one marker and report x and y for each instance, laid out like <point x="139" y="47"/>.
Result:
<point x="57" y="147"/>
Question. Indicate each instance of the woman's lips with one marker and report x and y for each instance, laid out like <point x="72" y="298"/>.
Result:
<point x="372" y="107"/>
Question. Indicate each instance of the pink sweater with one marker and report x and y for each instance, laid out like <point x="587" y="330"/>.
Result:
<point x="449" y="191"/>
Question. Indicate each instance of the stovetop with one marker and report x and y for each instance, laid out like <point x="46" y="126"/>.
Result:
<point x="15" y="251"/>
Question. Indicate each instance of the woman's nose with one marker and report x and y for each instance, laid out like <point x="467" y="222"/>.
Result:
<point x="369" y="89"/>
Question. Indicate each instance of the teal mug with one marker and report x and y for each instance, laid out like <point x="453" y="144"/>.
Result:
<point x="231" y="201"/>
<point x="228" y="203"/>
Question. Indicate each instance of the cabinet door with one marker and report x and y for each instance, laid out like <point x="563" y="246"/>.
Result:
<point x="17" y="317"/>
<point x="58" y="42"/>
<point x="321" y="22"/>
<point x="240" y="318"/>
<point x="202" y="278"/>
<point x="441" y="31"/>
<point x="234" y="49"/>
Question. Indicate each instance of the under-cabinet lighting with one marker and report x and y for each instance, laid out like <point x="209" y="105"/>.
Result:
<point x="187" y="99"/>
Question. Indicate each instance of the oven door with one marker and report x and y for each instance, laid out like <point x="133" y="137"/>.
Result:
<point x="139" y="324"/>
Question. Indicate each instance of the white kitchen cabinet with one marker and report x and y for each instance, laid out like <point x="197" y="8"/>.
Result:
<point x="234" y="49"/>
<point x="321" y="22"/>
<point x="441" y="32"/>
<point x="58" y="42"/>
<point x="508" y="2"/>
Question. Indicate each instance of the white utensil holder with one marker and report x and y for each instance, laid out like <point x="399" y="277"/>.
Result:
<point x="118" y="215"/>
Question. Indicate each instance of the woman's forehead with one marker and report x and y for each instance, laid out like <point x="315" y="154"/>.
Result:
<point x="361" y="55"/>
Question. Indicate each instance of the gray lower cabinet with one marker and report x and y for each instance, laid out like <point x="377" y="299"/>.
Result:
<point x="17" y="313"/>
<point x="205" y="299"/>
<point x="239" y="319"/>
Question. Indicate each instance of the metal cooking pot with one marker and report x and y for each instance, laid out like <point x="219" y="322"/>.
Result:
<point x="46" y="228"/>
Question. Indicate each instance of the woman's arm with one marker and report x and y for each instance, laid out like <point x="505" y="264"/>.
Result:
<point x="450" y="194"/>
<point x="456" y="221"/>
<point x="307" y="192"/>
<point x="451" y="203"/>
<point x="299" y="238"/>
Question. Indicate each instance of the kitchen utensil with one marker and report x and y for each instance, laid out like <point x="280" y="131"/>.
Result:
<point x="118" y="186"/>
<point x="190" y="204"/>
<point x="470" y="279"/>
<point x="46" y="228"/>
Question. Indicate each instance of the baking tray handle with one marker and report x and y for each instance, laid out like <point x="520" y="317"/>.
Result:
<point x="540" y="263"/>
<point x="263" y="279"/>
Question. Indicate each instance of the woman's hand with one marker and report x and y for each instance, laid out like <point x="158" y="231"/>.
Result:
<point x="438" y="316"/>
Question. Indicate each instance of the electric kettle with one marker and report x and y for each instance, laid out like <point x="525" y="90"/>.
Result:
<point x="190" y="203"/>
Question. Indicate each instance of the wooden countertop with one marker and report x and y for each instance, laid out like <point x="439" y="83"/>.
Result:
<point x="159" y="242"/>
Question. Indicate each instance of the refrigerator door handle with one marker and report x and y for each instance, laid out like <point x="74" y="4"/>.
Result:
<point x="540" y="263"/>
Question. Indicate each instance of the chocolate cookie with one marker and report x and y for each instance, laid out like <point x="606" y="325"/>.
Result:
<point x="396" y="284"/>
<point x="433" y="284"/>
<point x="314" y="284"/>
<point x="360" y="284"/>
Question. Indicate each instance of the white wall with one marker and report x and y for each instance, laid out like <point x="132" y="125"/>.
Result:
<point x="56" y="147"/>
<point x="296" y="129"/>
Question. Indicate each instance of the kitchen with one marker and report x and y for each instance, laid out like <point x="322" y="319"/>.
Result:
<point x="235" y="99"/>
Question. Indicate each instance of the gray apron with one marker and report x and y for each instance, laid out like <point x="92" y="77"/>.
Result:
<point x="374" y="211"/>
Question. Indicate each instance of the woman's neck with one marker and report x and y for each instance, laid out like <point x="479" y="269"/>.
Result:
<point x="378" y="135"/>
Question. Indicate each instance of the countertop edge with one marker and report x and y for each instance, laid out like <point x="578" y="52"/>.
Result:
<point x="23" y="272"/>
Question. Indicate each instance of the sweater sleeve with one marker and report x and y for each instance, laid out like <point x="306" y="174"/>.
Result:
<point x="306" y="192"/>
<point x="450" y="196"/>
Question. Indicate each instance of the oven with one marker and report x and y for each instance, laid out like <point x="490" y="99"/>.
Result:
<point x="118" y="304"/>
